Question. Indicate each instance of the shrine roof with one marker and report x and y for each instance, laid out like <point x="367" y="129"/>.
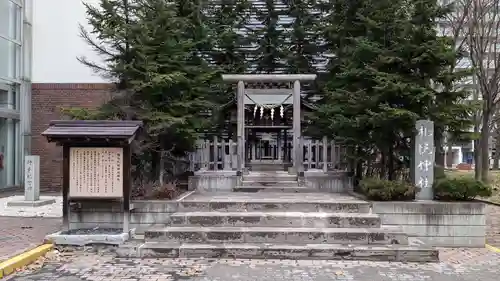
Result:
<point x="95" y="129"/>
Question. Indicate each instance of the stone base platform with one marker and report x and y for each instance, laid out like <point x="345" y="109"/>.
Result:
<point x="262" y="225"/>
<point x="279" y="251"/>
<point x="274" y="201"/>
<point x="82" y="237"/>
<point x="37" y="203"/>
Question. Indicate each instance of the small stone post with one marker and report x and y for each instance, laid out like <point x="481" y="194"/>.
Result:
<point x="31" y="185"/>
<point x="32" y="178"/>
<point x="424" y="159"/>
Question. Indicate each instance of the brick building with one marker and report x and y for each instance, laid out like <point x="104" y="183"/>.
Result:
<point x="47" y="101"/>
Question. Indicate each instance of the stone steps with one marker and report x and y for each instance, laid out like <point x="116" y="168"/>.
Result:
<point x="276" y="235"/>
<point x="279" y="251"/>
<point x="267" y="167"/>
<point x="276" y="225"/>
<point x="263" y="177"/>
<point x="276" y="219"/>
<point x="268" y="183"/>
<point x="273" y="188"/>
<point x="275" y="204"/>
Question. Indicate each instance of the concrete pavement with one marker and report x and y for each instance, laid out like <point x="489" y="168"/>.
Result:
<point x="456" y="265"/>
<point x="19" y="234"/>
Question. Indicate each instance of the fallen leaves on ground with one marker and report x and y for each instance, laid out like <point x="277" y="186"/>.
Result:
<point x="53" y="256"/>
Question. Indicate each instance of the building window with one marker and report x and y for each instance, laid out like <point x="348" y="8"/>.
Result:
<point x="9" y="56"/>
<point x="27" y="48"/>
<point x="4" y="97"/>
<point x="10" y="20"/>
<point x="11" y="79"/>
<point x="9" y="96"/>
<point x="28" y="10"/>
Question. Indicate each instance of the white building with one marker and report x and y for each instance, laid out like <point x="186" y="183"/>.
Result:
<point x="15" y="85"/>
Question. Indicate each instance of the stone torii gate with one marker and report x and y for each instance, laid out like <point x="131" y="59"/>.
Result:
<point x="296" y="79"/>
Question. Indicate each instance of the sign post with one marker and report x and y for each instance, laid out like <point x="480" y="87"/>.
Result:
<point x="32" y="178"/>
<point x="31" y="185"/>
<point x="96" y="163"/>
<point x="424" y="159"/>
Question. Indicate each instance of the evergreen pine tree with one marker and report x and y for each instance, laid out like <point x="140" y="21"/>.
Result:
<point x="164" y="77"/>
<point x="302" y="41"/>
<point x="269" y="55"/>
<point x="388" y="65"/>
<point x="229" y="20"/>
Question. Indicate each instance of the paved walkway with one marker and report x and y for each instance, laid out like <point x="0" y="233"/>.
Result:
<point x="18" y="234"/>
<point x="456" y="265"/>
<point x="493" y="225"/>
<point x="22" y="228"/>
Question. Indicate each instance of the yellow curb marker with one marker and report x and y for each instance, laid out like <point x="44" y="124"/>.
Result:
<point x="10" y="265"/>
<point x="493" y="249"/>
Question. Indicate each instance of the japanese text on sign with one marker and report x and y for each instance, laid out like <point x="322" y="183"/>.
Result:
<point x="424" y="156"/>
<point x="28" y="184"/>
<point x="96" y="172"/>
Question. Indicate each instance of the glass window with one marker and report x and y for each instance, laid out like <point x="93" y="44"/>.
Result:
<point x="15" y="96"/>
<point x="4" y="97"/>
<point x="27" y="46"/>
<point x="9" y="96"/>
<point x="10" y="19"/>
<point x="28" y="10"/>
<point x="17" y="166"/>
<point x="3" y="150"/>
<point x="7" y="149"/>
<point x="10" y="53"/>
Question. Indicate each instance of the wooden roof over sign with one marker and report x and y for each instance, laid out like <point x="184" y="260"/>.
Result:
<point x="66" y="130"/>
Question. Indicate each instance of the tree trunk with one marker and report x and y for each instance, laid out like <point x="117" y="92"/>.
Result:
<point x="484" y="143"/>
<point x="496" y="158"/>
<point x="449" y="155"/>
<point x="383" y="164"/>
<point x="359" y="167"/>
<point x="391" y="163"/>
<point x="161" y="166"/>
<point x="369" y="167"/>
<point x="477" y="151"/>
<point x="477" y="122"/>
<point x="439" y="144"/>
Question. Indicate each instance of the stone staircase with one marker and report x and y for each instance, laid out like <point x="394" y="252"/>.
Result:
<point x="276" y="225"/>
<point x="267" y="181"/>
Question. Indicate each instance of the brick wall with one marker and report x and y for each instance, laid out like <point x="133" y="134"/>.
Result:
<point x="47" y="101"/>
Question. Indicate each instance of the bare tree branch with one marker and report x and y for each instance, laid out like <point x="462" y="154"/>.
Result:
<point x="483" y="26"/>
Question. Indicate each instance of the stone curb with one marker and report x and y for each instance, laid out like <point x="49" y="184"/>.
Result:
<point x="491" y="248"/>
<point x="487" y="202"/>
<point x="10" y="265"/>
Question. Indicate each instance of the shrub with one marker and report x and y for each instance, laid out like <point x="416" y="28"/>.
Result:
<point x="460" y="189"/>
<point x="386" y="190"/>
<point x="439" y="172"/>
<point x="154" y="190"/>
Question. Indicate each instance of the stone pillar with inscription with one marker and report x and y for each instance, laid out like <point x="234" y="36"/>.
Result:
<point x="31" y="185"/>
<point x="424" y="159"/>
